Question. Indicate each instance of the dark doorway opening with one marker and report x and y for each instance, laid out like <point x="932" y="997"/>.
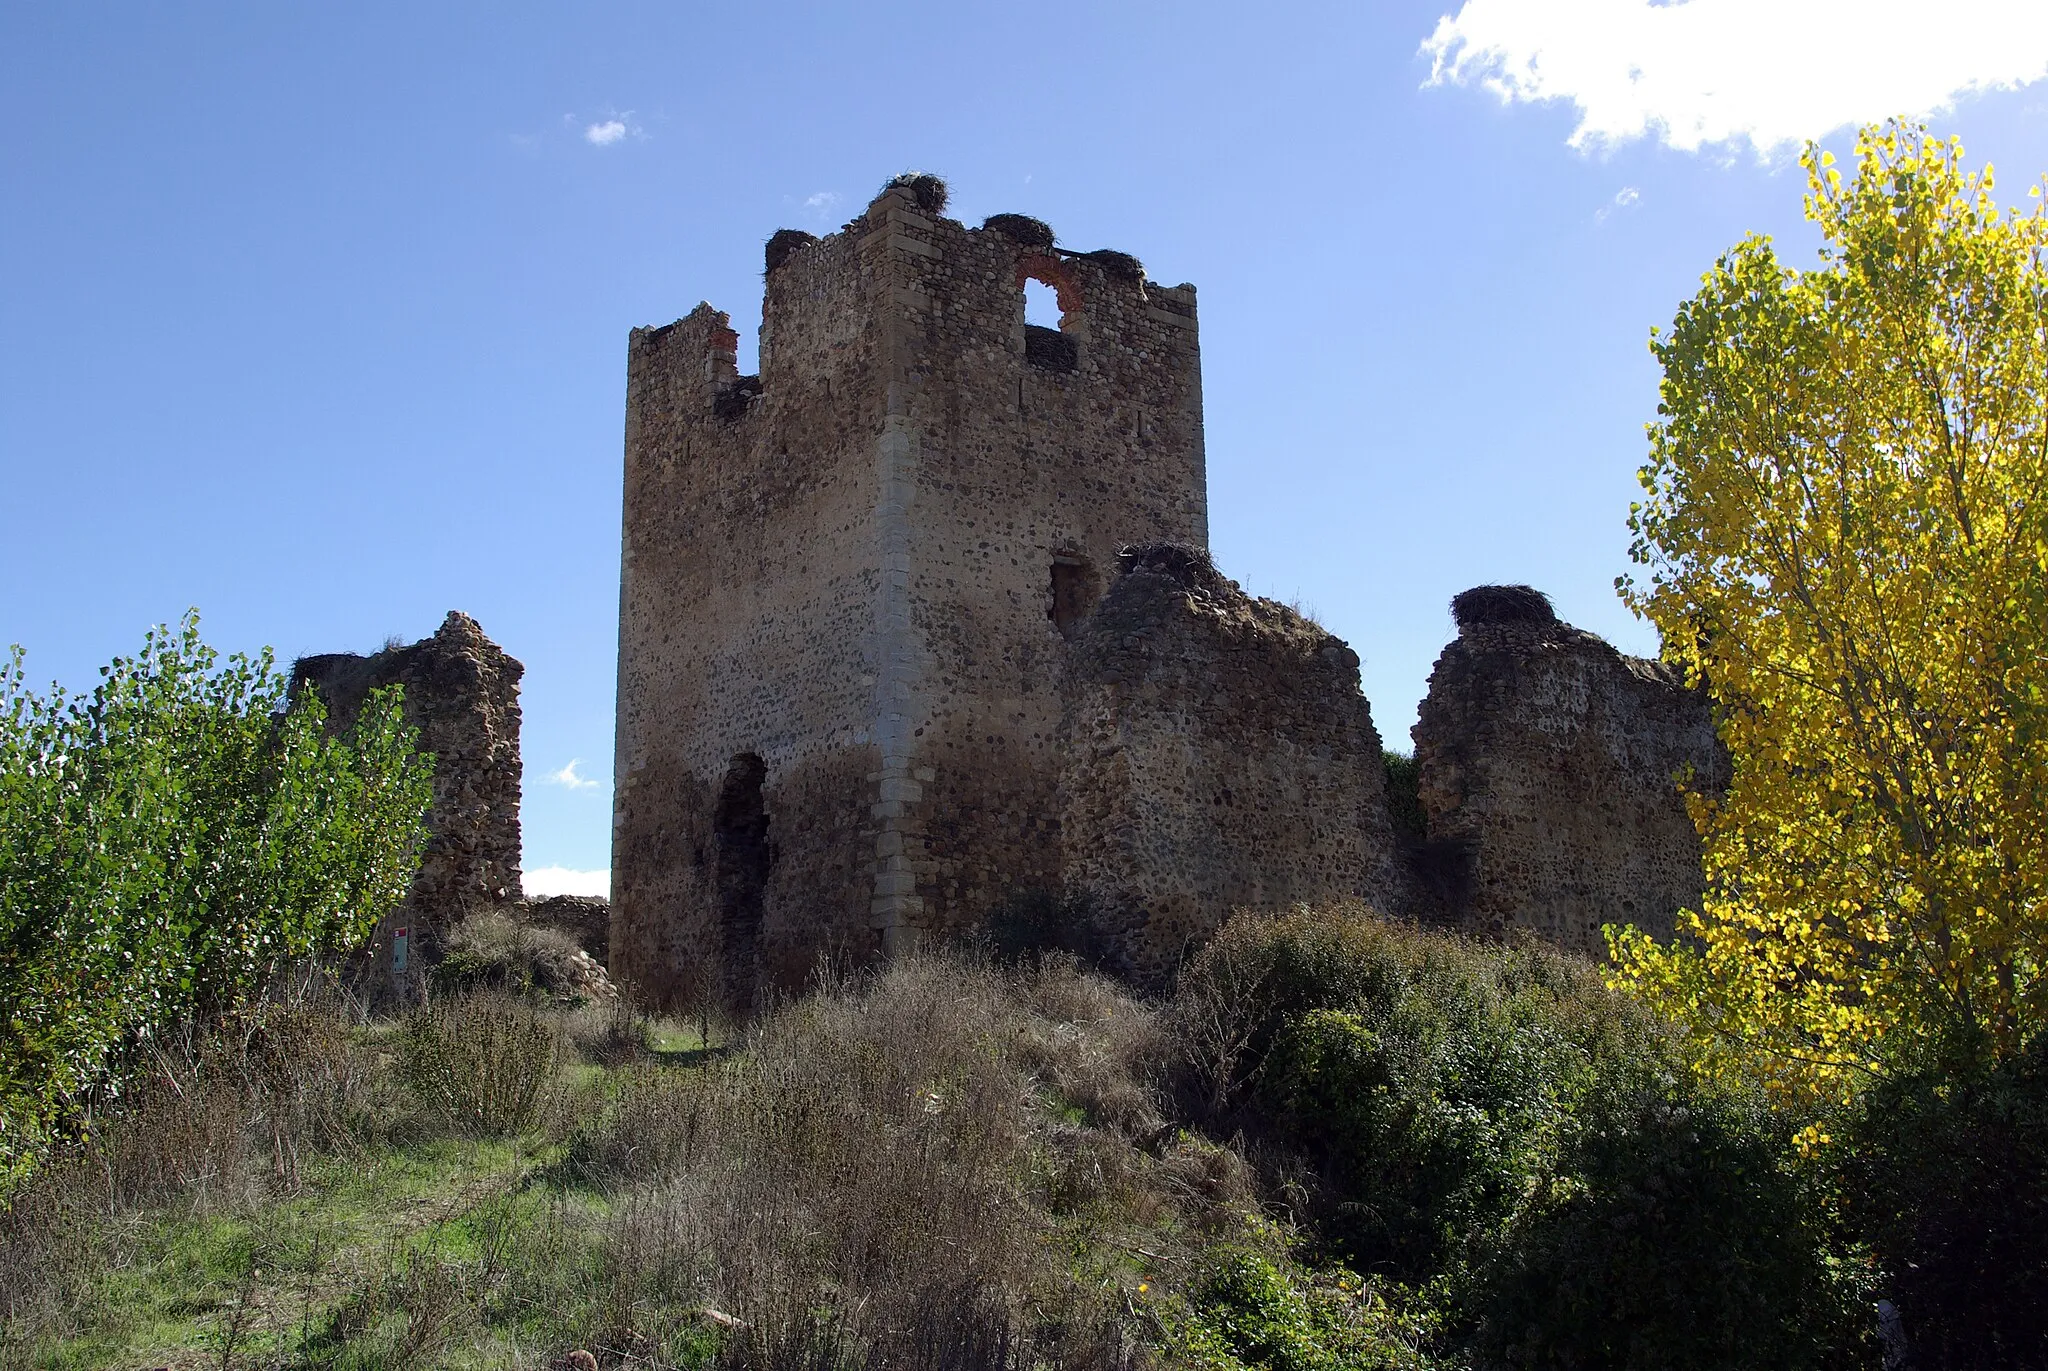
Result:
<point x="1073" y="594"/>
<point x="744" y="856"/>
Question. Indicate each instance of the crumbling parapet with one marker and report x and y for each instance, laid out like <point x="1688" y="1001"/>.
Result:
<point x="462" y="694"/>
<point x="1218" y="756"/>
<point x="1550" y="768"/>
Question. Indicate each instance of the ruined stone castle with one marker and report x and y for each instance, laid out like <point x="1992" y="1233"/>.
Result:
<point x="918" y="633"/>
<point x="915" y="625"/>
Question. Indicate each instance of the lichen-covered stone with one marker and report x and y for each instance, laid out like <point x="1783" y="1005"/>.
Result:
<point x="462" y="694"/>
<point x="1550" y="768"/>
<point x="1219" y="757"/>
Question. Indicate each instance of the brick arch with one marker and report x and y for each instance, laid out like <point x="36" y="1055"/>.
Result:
<point x="1049" y="270"/>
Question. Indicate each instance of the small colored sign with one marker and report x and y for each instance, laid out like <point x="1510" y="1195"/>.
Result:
<point x="399" y="940"/>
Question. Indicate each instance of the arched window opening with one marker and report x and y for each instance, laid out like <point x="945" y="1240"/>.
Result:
<point x="744" y="855"/>
<point x="1051" y="306"/>
<point x="1041" y="304"/>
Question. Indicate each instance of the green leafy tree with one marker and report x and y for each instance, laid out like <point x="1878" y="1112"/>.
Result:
<point x="166" y="844"/>
<point x="1846" y="532"/>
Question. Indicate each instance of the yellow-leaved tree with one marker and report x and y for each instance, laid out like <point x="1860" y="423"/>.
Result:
<point x="1846" y="537"/>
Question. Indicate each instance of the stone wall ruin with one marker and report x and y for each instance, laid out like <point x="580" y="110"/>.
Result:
<point x="462" y="694"/>
<point x="1219" y="756"/>
<point x="1549" y="767"/>
<point x="916" y="628"/>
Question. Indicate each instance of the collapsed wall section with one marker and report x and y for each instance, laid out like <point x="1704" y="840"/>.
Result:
<point x="1550" y="768"/>
<point x="462" y="694"/>
<point x="1219" y="756"/>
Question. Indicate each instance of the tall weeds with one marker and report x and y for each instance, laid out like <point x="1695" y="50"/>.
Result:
<point x="941" y="1165"/>
<point x="489" y="1062"/>
<point x="210" y="1120"/>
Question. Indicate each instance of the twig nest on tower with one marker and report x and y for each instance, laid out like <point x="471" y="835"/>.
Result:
<point x="785" y="244"/>
<point x="1502" y="605"/>
<point x="928" y="190"/>
<point x="1184" y="563"/>
<point x="1120" y="264"/>
<point x="1022" y="228"/>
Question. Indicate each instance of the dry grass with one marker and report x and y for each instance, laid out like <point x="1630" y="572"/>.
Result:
<point x="489" y="1063"/>
<point x="211" y="1123"/>
<point x="941" y="1165"/>
<point x="490" y="950"/>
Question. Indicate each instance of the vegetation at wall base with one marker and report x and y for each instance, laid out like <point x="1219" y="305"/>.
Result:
<point x="168" y="843"/>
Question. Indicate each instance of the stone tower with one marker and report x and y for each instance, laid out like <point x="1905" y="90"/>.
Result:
<point x="848" y="584"/>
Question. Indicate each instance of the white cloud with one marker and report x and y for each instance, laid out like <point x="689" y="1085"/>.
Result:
<point x="567" y="777"/>
<point x="822" y="200"/>
<point x="606" y="133"/>
<point x="1625" y="198"/>
<point x="562" y="880"/>
<point x="1772" y="73"/>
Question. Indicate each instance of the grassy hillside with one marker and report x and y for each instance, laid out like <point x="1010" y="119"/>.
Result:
<point x="1338" y="1144"/>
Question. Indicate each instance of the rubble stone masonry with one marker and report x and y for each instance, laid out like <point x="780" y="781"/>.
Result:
<point x="462" y="694"/>
<point x="846" y="582"/>
<point x="1550" y="768"/>
<point x="1220" y="756"/>
<point x="871" y="692"/>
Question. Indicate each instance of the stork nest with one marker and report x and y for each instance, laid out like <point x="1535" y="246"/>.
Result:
<point x="1032" y="233"/>
<point x="928" y="190"/>
<point x="1502" y="605"/>
<point x="785" y="244"/>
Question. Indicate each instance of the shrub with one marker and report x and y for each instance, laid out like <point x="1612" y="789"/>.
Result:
<point x="1671" y="1234"/>
<point x="487" y="1062"/>
<point x="1428" y="1121"/>
<point x="941" y="1164"/>
<point x="491" y="950"/>
<point x="211" y="1120"/>
<point x="1944" y="1175"/>
<point x="166" y="844"/>
<point x="611" y="1033"/>
<point x="1404" y="796"/>
<point x="1492" y="1122"/>
<point x="1252" y="1308"/>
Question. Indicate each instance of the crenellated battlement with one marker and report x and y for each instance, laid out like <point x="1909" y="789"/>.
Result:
<point x="929" y="280"/>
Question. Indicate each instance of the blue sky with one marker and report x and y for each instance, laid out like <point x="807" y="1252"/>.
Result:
<point x="315" y="317"/>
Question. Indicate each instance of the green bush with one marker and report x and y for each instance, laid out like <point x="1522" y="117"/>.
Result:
<point x="1404" y="796"/>
<point x="167" y="843"/>
<point x="1491" y="1122"/>
<point x="1670" y="1233"/>
<point x="1254" y="1309"/>
<point x="1943" y="1175"/>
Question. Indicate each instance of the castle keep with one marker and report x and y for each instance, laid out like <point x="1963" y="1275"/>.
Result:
<point x="916" y="625"/>
<point x="846" y="582"/>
